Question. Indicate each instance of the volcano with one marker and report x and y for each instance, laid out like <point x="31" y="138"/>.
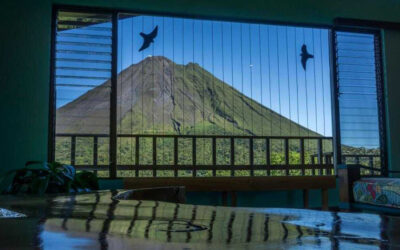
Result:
<point x="158" y="96"/>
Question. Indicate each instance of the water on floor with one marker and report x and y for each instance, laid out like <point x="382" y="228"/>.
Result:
<point x="96" y="220"/>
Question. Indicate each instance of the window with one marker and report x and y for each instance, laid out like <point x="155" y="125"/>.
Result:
<point x="143" y="95"/>
<point x="82" y="79"/>
<point x="359" y="98"/>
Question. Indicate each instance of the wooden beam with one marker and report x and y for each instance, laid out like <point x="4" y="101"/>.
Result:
<point x="347" y="174"/>
<point x="256" y="183"/>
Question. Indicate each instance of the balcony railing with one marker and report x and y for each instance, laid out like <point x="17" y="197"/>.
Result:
<point x="371" y="162"/>
<point x="319" y="164"/>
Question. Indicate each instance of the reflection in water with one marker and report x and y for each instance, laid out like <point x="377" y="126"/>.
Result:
<point x="97" y="220"/>
<point x="4" y="213"/>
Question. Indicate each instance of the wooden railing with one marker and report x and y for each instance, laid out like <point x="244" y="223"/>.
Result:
<point x="367" y="160"/>
<point x="320" y="164"/>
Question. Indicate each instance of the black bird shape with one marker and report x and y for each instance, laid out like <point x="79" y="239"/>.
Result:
<point x="305" y="56"/>
<point x="148" y="38"/>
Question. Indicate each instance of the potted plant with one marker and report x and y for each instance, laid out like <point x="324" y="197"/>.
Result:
<point x="38" y="177"/>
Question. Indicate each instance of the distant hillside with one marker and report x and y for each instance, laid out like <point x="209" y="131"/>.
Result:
<point x="159" y="96"/>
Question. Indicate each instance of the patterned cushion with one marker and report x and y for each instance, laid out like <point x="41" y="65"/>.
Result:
<point x="378" y="191"/>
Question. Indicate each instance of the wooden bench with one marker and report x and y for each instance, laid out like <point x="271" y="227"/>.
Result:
<point x="230" y="185"/>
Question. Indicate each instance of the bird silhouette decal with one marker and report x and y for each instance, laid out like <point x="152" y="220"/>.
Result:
<point x="305" y="56"/>
<point x="148" y="38"/>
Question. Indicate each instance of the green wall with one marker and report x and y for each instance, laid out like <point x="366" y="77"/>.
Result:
<point x="24" y="79"/>
<point x="392" y="95"/>
<point x="25" y="55"/>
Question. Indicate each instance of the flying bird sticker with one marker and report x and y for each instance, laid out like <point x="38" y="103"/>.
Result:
<point x="305" y="56"/>
<point x="148" y="38"/>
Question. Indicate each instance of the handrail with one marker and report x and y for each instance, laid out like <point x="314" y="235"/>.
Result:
<point x="323" y="165"/>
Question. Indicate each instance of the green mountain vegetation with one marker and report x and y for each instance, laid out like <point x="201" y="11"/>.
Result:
<point x="158" y="96"/>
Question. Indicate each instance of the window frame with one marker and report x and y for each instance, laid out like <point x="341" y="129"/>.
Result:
<point x="339" y="25"/>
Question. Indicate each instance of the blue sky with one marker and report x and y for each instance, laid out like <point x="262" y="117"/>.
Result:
<point x="261" y="61"/>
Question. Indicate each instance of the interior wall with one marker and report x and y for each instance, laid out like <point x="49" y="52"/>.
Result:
<point x="25" y="28"/>
<point x="24" y="80"/>
<point x="391" y="51"/>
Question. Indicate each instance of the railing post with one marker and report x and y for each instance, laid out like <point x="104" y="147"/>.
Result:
<point x="320" y="150"/>
<point x="302" y="160"/>
<point x="268" y="155"/>
<point x="154" y="156"/>
<point x="232" y="156"/>
<point x="214" y="155"/>
<point x="73" y="144"/>
<point x="95" y="152"/>
<point x="371" y="163"/>
<point x="312" y="159"/>
<point x="137" y="143"/>
<point x="194" y="156"/>
<point x="251" y="142"/>
<point x="176" y="156"/>
<point x="286" y="142"/>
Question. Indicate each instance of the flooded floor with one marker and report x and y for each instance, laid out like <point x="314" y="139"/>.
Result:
<point x="92" y="221"/>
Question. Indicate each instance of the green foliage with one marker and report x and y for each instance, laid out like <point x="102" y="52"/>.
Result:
<point x="85" y="181"/>
<point x="39" y="177"/>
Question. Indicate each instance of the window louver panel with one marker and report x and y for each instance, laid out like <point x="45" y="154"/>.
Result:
<point x="82" y="72"/>
<point x="358" y="97"/>
<point x="83" y="62"/>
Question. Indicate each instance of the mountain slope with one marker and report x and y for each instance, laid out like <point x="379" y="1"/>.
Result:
<point x="159" y="96"/>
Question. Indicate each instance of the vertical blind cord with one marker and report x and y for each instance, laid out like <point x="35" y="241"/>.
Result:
<point x="232" y="83"/>
<point x="194" y="92"/>
<point x="297" y="80"/>
<point x="212" y="77"/>
<point x="315" y="83"/>
<point x="279" y="86"/>
<point x="241" y="68"/>
<point x="132" y="31"/>
<point x="306" y="89"/>
<point x="223" y="71"/>
<point x="288" y="79"/>
<point x="323" y="82"/>
<point x="164" y="89"/>
<point x="142" y="80"/>
<point x="204" y="92"/>
<point x="269" y="82"/>
<point x="251" y="81"/>
<point x="183" y="76"/>
<point x="261" y="81"/>
<point x="153" y="81"/>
